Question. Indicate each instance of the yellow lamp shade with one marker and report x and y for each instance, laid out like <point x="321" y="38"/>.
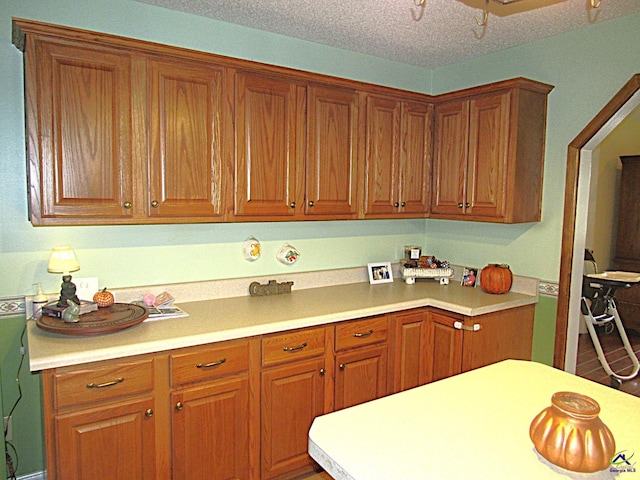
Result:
<point x="62" y="260"/>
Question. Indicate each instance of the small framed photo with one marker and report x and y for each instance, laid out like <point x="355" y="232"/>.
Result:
<point x="469" y="276"/>
<point x="380" y="272"/>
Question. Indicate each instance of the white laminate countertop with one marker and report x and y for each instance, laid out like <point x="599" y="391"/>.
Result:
<point x="236" y="317"/>
<point x="470" y="426"/>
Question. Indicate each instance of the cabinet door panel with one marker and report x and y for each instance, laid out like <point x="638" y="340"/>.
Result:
<point x="444" y="357"/>
<point x="503" y="335"/>
<point x="211" y="431"/>
<point x="184" y="158"/>
<point x="382" y="155"/>
<point x="488" y="144"/>
<point x="415" y="160"/>
<point x="450" y="158"/>
<point x="80" y="112"/>
<point x="292" y="396"/>
<point x="332" y="152"/>
<point x="266" y="161"/>
<point x="117" y="439"/>
<point x="410" y="358"/>
<point x="361" y="376"/>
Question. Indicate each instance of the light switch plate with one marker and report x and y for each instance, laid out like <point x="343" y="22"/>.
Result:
<point x="86" y="287"/>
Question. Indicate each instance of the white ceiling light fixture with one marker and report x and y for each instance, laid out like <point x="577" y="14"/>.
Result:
<point x="485" y="11"/>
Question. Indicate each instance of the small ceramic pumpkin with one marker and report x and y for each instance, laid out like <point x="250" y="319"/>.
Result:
<point x="496" y="278"/>
<point x="104" y="298"/>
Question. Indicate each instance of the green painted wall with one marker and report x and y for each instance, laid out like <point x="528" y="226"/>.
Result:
<point x="26" y="419"/>
<point x="587" y="67"/>
<point x="544" y="330"/>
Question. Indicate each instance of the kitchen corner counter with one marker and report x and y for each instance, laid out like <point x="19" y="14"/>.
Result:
<point x="236" y="317"/>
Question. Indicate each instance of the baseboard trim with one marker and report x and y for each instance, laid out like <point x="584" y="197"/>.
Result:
<point x="34" y="476"/>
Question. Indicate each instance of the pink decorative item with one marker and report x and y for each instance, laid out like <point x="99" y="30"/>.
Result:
<point x="149" y="299"/>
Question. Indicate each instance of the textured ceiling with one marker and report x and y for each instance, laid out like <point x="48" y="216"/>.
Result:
<point x="438" y="33"/>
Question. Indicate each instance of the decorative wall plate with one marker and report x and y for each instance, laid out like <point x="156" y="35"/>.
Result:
<point x="288" y="254"/>
<point x="251" y="249"/>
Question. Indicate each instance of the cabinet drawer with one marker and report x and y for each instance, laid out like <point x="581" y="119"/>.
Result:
<point x="102" y="383"/>
<point x="213" y="361"/>
<point x="293" y="345"/>
<point x="361" y="332"/>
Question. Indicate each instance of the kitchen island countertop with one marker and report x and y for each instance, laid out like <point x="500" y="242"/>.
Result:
<point x="472" y="425"/>
<point x="236" y="317"/>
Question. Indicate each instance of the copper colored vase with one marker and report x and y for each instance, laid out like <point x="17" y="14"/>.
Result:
<point x="570" y="434"/>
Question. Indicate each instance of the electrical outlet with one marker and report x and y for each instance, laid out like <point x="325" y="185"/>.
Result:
<point x="86" y="287"/>
<point x="8" y="428"/>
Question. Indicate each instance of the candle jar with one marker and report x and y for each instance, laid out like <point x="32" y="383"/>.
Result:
<point x="570" y="434"/>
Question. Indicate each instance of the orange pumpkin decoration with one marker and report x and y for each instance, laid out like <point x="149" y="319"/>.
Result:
<point x="104" y="298"/>
<point x="496" y="278"/>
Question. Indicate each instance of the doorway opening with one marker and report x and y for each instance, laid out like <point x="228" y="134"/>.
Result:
<point x="574" y="231"/>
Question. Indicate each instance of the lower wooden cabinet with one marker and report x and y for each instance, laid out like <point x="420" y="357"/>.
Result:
<point x="292" y="396"/>
<point x="409" y="349"/>
<point x="444" y="354"/>
<point x="361" y="376"/>
<point x="210" y="431"/>
<point x="242" y="409"/>
<point x="458" y="344"/>
<point x="118" y="439"/>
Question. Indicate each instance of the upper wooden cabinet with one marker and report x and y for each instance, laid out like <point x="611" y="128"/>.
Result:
<point x="268" y="169"/>
<point x="80" y="143"/>
<point x="121" y="131"/>
<point x="398" y="157"/>
<point x="185" y="145"/>
<point x="120" y="135"/>
<point x="489" y="153"/>
<point x="331" y="187"/>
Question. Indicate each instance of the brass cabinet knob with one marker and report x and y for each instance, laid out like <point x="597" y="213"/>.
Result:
<point x="460" y="205"/>
<point x="154" y="204"/>
<point x="148" y="413"/>
<point x="396" y="204"/>
<point x="179" y="406"/>
<point x="311" y="203"/>
<point x="292" y="204"/>
<point x="342" y="366"/>
<point x="403" y="204"/>
<point x="322" y="372"/>
<point x="127" y="205"/>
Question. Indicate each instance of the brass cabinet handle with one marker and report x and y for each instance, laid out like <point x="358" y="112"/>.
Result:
<point x="127" y="205"/>
<point x="460" y="205"/>
<point x="294" y="349"/>
<point x="467" y="204"/>
<point x="342" y="366"/>
<point x="155" y="204"/>
<point x="403" y="204"/>
<point x="106" y="384"/>
<point x="212" y="364"/>
<point x="311" y="203"/>
<point x="292" y="204"/>
<point x="179" y="406"/>
<point x="148" y="413"/>
<point x="396" y="204"/>
<point x="365" y="334"/>
<point x="322" y="372"/>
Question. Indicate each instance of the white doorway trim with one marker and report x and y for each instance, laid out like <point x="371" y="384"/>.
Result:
<point x="578" y="178"/>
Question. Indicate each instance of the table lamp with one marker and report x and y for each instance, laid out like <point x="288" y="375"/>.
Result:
<point x="63" y="260"/>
